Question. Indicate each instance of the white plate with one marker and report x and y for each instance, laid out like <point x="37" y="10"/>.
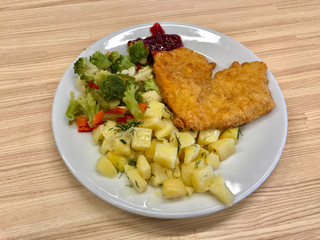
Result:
<point x="258" y="150"/>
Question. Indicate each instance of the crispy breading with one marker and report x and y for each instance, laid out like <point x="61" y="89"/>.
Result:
<point x="233" y="97"/>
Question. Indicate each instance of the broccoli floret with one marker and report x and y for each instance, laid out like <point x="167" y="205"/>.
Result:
<point x="138" y="52"/>
<point x="89" y="105"/>
<point x="139" y="97"/>
<point x="130" y="100"/>
<point x="85" y="69"/>
<point x="121" y="63"/>
<point x="101" y="75"/>
<point x="112" y="87"/>
<point x="100" y="60"/>
<point x="72" y="108"/>
<point x="105" y="105"/>
<point x="150" y="85"/>
<point x="114" y="56"/>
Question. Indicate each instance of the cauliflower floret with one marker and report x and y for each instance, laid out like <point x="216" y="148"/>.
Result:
<point x="151" y="96"/>
<point x="144" y="74"/>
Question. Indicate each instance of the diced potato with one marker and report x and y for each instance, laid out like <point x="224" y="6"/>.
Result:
<point x="191" y="152"/>
<point x="107" y="128"/>
<point x="158" y="174"/>
<point x="107" y="144"/>
<point x="202" y="178"/>
<point x="167" y="113"/>
<point x="122" y="146"/>
<point x="188" y="169"/>
<point x="154" y="110"/>
<point x="153" y="123"/>
<point x="149" y="153"/>
<point x="143" y="167"/>
<point x="165" y="131"/>
<point x="231" y="133"/>
<point x="106" y="167"/>
<point x="169" y="173"/>
<point x="141" y="139"/>
<point x="128" y="167"/>
<point x="137" y="181"/>
<point x="213" y="160"/>
<point x="193" y="133"/>
<point x="177" y="170"/>
<point x="220" y="190"/>
<point x="165" y="155"/>
<point x="97" y="136"/>
<point x="184" y="139"/>
<point x="119" y="161"/>
<point x="190" y="191"/>
<point x="223" y="147"/>
<point x="173" y="188"/>
<point x="206" y="137"/>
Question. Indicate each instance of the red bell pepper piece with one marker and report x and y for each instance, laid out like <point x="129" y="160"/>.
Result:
<point x="85" y="129"/>
<point x="93" y="85"/>
<point x="82" y="121"/>
<point x="116" y="110"/>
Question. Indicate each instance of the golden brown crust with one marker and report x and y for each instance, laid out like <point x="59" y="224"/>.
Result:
<point x="233" y="97"/>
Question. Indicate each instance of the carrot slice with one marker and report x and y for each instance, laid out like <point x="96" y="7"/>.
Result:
<point x="143" y="107"/>
<point x="98" y="117"/>
<point x="82" y="121"/>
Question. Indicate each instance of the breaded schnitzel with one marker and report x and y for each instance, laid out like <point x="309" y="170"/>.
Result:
<point x="233" y="97"/>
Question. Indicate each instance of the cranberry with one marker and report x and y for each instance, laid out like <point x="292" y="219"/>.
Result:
<point x="159" y="41"/>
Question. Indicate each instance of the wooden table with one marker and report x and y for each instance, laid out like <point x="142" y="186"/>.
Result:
<point x="40" y="198"/>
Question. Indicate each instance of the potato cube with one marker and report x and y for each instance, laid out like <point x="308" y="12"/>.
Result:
<point x="122" y="146"/>
<point x="154" y="110"/>
<point x="191" y="152"/>
<point x="141" y="139"/>
<point x="143" y="167"/>
<point x="184" y="139"/>
<point x="193" y="133"/>
<point x="107" y="129"/>
<point x="106" y="167"/>
<point x="128" y="167"/>
<point x="107" y="144"/>
<point x="149" y="153"/>
<point x="165" y="155"/>
<point x="190" y="191"/>
<point x="167" y="114"/>
<point x="188" y="169"/>
<point x="220" y="190"/>
<point x="177" y="170"/>
<point x="213" y="160"/>
<point x="165" y="131"/>
<point x="97" y="136"/>
<point x="208" y="136"/>
<point x="119" y="161"/>
<point x="231" y="133"/>
<point x="158" y="174"/>
<point x="173" y="188"/>
<point x="137" y="181"/>
<point x="202" y="178"/>
<point x="153" y="123"/>
<point x="223" y="147"/>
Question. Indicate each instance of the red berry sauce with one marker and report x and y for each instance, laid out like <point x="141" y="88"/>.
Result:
<point x="159" y="40"/>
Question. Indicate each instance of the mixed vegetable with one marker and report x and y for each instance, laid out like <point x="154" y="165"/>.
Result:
<point x="121" y="104"/>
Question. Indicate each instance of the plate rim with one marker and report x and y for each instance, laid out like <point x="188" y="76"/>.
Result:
<point x="93" y="188"/>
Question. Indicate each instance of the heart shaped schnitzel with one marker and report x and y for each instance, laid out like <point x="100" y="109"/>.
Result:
<point x="234" y="96"/>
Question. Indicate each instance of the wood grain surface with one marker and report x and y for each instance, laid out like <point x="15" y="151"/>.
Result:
<point x="40" y="198"/>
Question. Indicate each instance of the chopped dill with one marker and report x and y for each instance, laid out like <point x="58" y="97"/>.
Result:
<point x="123" y="141"/>
<point x="137" y="184"/>
<point x="132" y="162"/>
<point x="178" y="141"/>
<point x="197" y="164"/>
<point x="125" y="127"/>
<point x="152" y="175"/>
<point x="129" y="185"/>
<point x="204" y="154"/>
<point x="239" y="131"/>
<point x="120" y="174"/>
